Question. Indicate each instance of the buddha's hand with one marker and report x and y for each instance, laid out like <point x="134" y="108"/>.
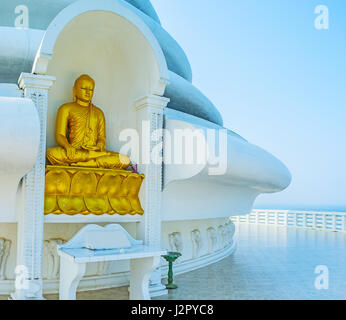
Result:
<point x="101" y="146"/>
<point x="70" y="152"/>
<point x="93" y="148"/>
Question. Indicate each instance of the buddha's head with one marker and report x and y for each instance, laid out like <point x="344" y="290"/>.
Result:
<point x="83" y="88"/>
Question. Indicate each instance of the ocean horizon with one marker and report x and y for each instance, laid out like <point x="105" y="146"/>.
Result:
<point x="303" y="208"/>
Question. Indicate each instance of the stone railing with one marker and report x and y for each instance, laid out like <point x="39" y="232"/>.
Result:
<point x="331" y="221"/>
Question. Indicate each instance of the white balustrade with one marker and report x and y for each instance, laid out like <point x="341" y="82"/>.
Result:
<point x="331" y="221"/>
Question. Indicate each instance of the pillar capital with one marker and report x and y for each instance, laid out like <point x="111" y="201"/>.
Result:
<point x="30" y="80"/>
<point x="151" y="101"/>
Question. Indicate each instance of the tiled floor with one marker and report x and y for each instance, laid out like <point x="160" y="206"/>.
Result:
<point x="270" y="263"/>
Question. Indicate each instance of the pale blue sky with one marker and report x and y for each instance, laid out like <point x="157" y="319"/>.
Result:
<point x="277" y="81"/>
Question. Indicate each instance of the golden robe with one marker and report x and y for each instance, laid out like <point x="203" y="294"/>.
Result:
<point x="84" y="128"/>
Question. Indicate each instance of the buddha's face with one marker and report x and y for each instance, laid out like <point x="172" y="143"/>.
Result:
<point x="84" y="89"/>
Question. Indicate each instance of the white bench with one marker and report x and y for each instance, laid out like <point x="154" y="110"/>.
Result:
<point x="110" y="243"/>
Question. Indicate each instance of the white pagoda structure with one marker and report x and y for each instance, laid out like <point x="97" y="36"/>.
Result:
<point x="142" y="76"/>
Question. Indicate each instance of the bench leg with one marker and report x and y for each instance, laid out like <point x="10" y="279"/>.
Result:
<point x="141" y="270"/>
<point x="70" y="275"/>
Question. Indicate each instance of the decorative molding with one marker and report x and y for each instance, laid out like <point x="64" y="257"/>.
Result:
<point x="150" y="109"/>
<point x="230" y="231"/>
<point x="152" y="102"/>
<point x="41" y="62"/>
<point x="212" y="239"/>
<point x="196" y="238"/>
<point x="175" y="242"/>
<point x="34" y="81"/>
<point x="79" y="218"/>
<point x="5" y="246"/>
<point x="31" y="219"/>
<point x="120" y="8"/>
<point x="52" y="257"/>
<point x="79" y="240"/>
<point x="222" y="235"/>
<point x="102" y="268"/>
<point x="160" y="89"/>
<point x="203" y="261"/>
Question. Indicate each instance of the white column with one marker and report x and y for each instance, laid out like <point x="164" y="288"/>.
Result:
<point x="149" y="119"/>
<point x="31" y="216"/>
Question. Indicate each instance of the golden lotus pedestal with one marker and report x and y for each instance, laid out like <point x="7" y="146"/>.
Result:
<point x="79" y="190"/>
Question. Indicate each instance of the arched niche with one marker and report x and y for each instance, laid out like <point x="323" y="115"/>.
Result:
<point x="107" y="41"/>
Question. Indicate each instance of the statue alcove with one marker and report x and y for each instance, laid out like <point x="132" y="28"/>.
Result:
<point x="116" y="49"/>
<point x="116" y="55"/>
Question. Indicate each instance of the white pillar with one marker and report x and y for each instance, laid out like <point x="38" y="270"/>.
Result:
<point x="150" y="118"/>
<point x="31" y="217"/>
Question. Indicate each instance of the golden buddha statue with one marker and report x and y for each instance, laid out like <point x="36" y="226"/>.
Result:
<point x="81" y="133"/>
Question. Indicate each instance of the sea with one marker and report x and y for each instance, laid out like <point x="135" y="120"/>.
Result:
<point x="322" y="208"/>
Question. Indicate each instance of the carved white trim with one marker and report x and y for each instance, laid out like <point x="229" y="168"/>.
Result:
<point x="160" y="89"/>
<point x="196" y="238"/>
<point x="150" y="108"/>
<point x="5" y="246"/>
<point x="102" y="268"/>
<point x="212" y="239"/>
<point x="153" y="102"/>
<point x="52" y="257"/>
<point x="34" y="81"/>
<point x="31" y="219"/>
<point x="221" y="236"/>
<point x="230" y="230"/>
<point x="120" y="8"/>
<point x="201" y="262"/>
<point x="175" y="242"/>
